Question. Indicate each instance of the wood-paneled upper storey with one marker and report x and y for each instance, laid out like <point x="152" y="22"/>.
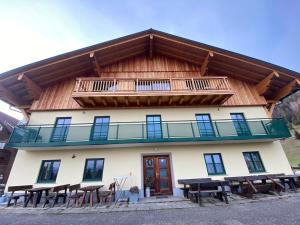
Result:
<point x="149" y="68"/>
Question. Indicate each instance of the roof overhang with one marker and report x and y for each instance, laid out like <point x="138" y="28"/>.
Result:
<point x="22" y="85"/>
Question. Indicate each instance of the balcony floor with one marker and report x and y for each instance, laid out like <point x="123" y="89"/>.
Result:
<point x="102" y="99"/>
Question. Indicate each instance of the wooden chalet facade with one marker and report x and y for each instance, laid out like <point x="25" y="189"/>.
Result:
<point x="147" y="105"/>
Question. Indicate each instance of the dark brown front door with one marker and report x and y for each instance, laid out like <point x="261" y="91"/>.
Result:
<point x="157" y="174"/>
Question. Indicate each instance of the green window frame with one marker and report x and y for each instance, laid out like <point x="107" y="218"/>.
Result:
<point x="48" y="171"/>
<point x="93" y="169"/>
<point x="254" y="162"/>
<point x="214" y="164"/>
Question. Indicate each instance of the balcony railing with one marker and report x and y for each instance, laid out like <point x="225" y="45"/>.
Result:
<point x="95" y="91"/>
<point x="92" y="84"/>
<point x="140" y="132"/>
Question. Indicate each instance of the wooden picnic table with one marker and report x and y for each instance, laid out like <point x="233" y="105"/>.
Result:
<point x="208" y="183"/>
<point x="290" y="180"/>
<point x="36" y="194"/>
<point x="186" y="182"/>
<point x="91" y="190"/>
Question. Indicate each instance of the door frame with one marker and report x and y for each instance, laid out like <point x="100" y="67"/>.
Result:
<point x="171" y="170"/>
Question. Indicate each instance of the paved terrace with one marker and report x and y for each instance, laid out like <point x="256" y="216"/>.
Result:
<point x="262" y="210"/>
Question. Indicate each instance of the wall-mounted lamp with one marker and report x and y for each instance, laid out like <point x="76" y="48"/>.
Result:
<point x="73" y="156"/>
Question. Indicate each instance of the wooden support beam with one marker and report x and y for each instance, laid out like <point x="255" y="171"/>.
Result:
<point x="263" y="85"/>
<point x="204" y="98"/>
<point x="31" y="86"/>
<point x="151" y="46"/>
<point x="204" y="65"/>
<point x="148" y="100"/>
<point x="116" y="102"/>
<point x="126" y="101"/>
<point x="9" y="96"/>
<point x="181" y="100"/>
<point x="270" y="108"/>
<point x="287" y="89"/>
<point x="217" y="98"/>
<point x="104" y="102"/>
<point x="95" y="63"/>
<point x="193" y="99"/>
<point x="159" y="100"/>
<point x="170" y="100"/>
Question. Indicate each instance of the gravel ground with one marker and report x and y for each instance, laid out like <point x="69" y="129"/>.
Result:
<point x="267" y="212"/>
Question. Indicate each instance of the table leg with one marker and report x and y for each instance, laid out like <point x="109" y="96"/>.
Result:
<point x="91" y="198"/>
<point x="97" y="193"/>
<point x="35" y="199"/>
<point x="28" y="199"/>
<point x="282" y="181"/>
<point x="199" y="196"/>
<point x="83" y="198"/>
<point x="224" y="194"/>
<point x="292" y="184"/>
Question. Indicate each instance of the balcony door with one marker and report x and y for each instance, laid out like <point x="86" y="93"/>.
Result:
<point x="154" y="127"/>
<point x="157" y="174"/>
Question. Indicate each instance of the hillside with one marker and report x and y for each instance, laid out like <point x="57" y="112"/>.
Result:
<point x="289" y="109"/>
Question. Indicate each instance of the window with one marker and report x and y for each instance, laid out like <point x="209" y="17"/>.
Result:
<point x="93" y="170"/>
<point x="205" y="125"/>
<point x="254" y="162"/>
<point x="240" y="124"/>
<point x="48" y="171"/>
<point x="214" y="164"/>
<point x="154" y="129"/>
<point x="61" y="129"/>
<point x="100" y="128"/>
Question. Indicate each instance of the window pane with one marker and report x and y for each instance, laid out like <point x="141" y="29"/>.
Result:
<point x="217" y="158"/>
<point x="219" y="168"/>
<point x="210" y="168"/>
<point x="208" y="159"/>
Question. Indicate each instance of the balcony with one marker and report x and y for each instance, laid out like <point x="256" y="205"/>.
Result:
<point x="139" y="133"/>
<point x="129" y="92"/>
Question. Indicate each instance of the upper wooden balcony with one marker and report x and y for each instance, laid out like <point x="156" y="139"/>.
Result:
<point x="131" y="92"/>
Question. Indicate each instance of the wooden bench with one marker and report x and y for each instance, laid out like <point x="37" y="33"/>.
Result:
<point x="16" y="196"/>
<point x="210" y="188"/>
<point x="108" y="196"/>
<point x="56" y="193"/>
<point x="249" y="185"/>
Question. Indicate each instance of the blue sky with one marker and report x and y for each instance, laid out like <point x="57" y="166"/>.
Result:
<point x="34" y="30"/>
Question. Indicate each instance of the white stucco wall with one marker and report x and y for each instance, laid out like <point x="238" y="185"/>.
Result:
<point x="128" y="115"/>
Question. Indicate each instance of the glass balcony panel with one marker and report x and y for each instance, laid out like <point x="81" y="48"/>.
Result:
<point x="136" y="132"/>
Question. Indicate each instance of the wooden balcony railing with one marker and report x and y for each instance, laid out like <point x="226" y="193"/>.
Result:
<point x="135" y="92"/>
<point x="125" y="85"/>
